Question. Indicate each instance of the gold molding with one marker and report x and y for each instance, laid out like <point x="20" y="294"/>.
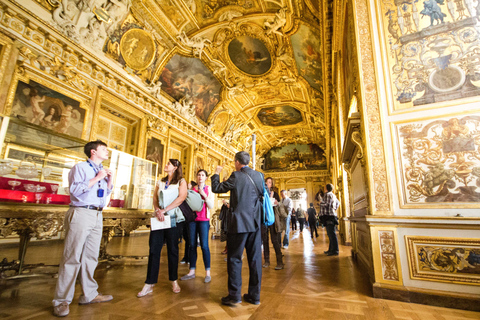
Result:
<point x="380" y="197"/>
<point x="437" y="260"/>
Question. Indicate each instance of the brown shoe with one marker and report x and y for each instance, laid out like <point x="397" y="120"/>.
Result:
<point x="99" y="298"/>
<point x="61" y="310"/>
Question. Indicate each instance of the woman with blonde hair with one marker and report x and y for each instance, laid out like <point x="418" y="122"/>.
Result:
<point x="176" y="184"/>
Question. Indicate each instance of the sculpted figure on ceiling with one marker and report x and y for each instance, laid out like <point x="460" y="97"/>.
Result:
<point x="273" y="26"/>
<point x="197" y="44"/>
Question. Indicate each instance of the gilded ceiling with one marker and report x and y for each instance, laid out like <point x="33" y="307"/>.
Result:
<point x="236" y="67"/>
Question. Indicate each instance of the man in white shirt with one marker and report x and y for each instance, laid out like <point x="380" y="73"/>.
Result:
<point x="287" y="202"/>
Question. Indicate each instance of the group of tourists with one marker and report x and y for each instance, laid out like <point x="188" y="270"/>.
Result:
<point x="242" y="227"/>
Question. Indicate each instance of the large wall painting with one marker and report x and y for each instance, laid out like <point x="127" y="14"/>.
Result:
<point x="185" y="77"/>
<point x="440" y="161"/>
<point x="48" y="108"/>
<point x="444" y="259"/>
<point x="250" y="55"/>
<point x="295" y="157"/>
<point x="432" y="48"/>
<point x="306" y="47"/>
<point x="279" y="116"/>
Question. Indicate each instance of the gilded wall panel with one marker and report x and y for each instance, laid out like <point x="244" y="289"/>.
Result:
<point x="444" y="259"/>
<point x="439" y="161"/>
<point x="432" y="49"/>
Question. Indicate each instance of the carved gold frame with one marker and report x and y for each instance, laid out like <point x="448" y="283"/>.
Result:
<point x="395" y="141"/>
<point x="411" y="243"/>
<point x="25" y="75"/>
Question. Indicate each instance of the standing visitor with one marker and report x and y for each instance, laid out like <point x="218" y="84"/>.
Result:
<point x="301" y="217"/>
<point x="274" y="235"/>
<point x="200" y="227"/>
<point x="90" y="185"/>
<point x="175" y="185"/>
<point x="287" y="202"/>
<point x="244" y="220"/>
<point x="312" y="220"/>
<point x="328" y="210"/>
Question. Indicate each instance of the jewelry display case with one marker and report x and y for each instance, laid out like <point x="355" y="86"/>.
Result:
<point x="36" y="165"/>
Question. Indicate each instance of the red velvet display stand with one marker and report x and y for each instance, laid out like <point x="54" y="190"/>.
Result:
<point x="19" y="194"/>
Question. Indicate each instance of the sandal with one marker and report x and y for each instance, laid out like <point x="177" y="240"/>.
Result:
<point x="175" y="287"/>
<point x="147" y="288"/>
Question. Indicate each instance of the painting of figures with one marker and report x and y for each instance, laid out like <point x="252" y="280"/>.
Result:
<point x="155" y="152"/>
<point x="188" y="78"/>
<point x="306" y="47"/>
<point x="430" y="48"/>
<point x="440" y="163"/>
<point x="279" y="116"/>
<point x="250" y="55"/>
<point x="295" y="157"/>
<point x="48" y="108"/>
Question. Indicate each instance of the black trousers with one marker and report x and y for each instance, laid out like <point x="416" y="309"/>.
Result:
<point x="313" y="226"/>
<point x="302" y="222"/>
<point x="294" y="223"/>
<point x="184" y="232"/>
<point x="252" y="243"/>
<point x="156" y="241"/>
<point x="332" y="237"/>
<point x="276" y="239"/>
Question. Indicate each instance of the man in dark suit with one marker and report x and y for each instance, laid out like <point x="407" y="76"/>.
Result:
<point x="244" y="220"/>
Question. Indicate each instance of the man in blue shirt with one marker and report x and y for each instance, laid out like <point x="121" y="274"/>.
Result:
<point x="90" y="185"/>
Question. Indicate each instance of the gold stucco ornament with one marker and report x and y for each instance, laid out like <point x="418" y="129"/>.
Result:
<point x="137" y="48"/>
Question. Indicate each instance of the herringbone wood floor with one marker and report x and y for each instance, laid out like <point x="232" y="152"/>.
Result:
<point x="313" y="286"/>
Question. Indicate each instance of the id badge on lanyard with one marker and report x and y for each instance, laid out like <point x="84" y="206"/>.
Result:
<point x="100" y="191"/>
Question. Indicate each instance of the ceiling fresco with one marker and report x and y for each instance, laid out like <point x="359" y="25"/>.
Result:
<point x="306" y="46"/>
<point x="188" y="78"/>
<point x="295" y="157"/>
<point x="231" y="67"/>
<point x="279" y="116"/>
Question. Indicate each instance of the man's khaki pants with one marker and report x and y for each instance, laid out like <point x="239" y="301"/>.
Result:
<point x="83" y="233"/>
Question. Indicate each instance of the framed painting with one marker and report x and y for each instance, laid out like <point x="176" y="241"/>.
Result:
<point x="189" y="78"/>
<point x="45" y="104"/>
<point x="250" y="55"/>
<point x="279" y="116"/>
<point x="295" y="157"/>
<point x="154" y="152"/>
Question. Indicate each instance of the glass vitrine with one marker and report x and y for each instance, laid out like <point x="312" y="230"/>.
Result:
<point x="36" y="164"/>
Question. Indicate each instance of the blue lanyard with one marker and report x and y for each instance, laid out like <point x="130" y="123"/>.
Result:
<point x="94" y="170"/>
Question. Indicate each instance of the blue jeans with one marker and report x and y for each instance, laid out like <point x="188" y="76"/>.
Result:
<point x="200" y="228"/>
<point x="286" y="237"/>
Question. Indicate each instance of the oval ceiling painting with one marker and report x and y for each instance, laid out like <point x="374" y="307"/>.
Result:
<point x="250" y="55"/>
<point x="279" y="116"/>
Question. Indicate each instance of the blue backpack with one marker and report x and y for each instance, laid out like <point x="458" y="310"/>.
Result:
<point x="268" y="216"/>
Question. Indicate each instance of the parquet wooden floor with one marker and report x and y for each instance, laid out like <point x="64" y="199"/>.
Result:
<point x="312" y="286"/>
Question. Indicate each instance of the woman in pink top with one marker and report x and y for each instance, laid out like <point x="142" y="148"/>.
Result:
<point x="200" y="226"/>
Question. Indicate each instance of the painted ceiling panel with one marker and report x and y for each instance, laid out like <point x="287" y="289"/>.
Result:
<point x="188" y="78"/>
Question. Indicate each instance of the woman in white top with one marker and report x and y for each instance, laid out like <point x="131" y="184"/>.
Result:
<point x="200" y="226"/>
<point x="174" y="179"/>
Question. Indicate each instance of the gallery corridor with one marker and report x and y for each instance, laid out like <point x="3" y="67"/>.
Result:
<point x="312" y="286"/>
